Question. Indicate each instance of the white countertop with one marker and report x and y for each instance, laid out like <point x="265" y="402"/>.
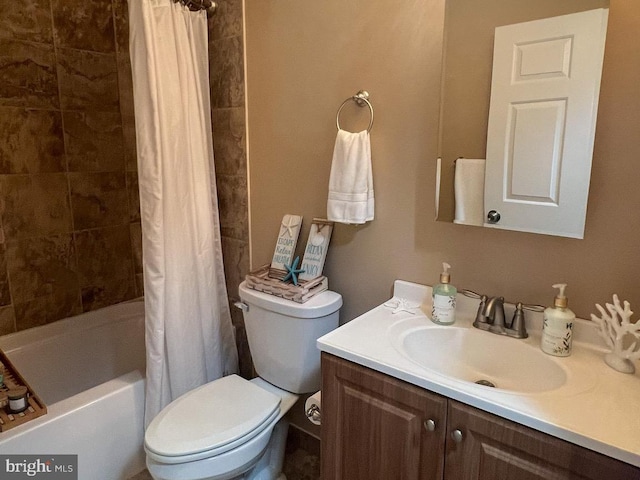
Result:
<point x="598" y="409"/>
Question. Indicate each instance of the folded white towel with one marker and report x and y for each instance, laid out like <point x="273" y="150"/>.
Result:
<point x="351" y="179"/>
<point x="469" y="191"/>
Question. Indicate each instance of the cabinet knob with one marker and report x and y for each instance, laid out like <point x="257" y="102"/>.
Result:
<point x="456" y="435"/>
<point x="430" y="425"/>
<point x="493" y="216"/>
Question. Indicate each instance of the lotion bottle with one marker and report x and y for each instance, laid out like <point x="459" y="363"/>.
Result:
<point x="558" y="325"/>
<point x="444" y="299"/>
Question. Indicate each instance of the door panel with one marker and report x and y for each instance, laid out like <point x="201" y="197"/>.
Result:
<point x="375" y="427"/>
<point x="496" y="449"/>
<point x="544" y="98"/>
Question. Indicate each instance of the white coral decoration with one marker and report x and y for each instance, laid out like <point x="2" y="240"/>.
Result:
<point x="616" y="329"/>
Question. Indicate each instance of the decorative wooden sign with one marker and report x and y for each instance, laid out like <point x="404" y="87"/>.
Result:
<point x="285" y="245"/>
<point x="316" y="252"/>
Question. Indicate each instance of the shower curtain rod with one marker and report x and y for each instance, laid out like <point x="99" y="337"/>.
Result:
<point x="196" y="5"/>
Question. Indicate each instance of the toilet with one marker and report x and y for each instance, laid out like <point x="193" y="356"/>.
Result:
<point x="234" y="428"/>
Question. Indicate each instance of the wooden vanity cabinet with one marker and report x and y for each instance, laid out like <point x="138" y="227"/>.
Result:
<point x="375" y="427"/>
<point x="492" y="448"/>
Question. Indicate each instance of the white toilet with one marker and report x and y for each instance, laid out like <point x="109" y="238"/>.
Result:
<point x="234" y="428"/>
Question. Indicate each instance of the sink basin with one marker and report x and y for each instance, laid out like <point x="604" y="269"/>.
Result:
<point x="476" y="356"/>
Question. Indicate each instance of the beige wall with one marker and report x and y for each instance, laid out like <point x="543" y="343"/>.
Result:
<point x="304" y="58"/>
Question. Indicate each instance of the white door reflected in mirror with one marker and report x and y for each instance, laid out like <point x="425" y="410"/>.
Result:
<point x="534" y="138"/>
<point x="542" y="116"/>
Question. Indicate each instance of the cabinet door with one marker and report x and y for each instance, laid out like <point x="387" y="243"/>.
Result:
<point x="492" y="448"/>
<point x="375" y="427"/>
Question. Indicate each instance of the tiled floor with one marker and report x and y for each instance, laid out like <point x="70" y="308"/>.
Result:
<point x="301" y="461"/>
<point x="144" y="475"/>
<point x="302" y="456"/>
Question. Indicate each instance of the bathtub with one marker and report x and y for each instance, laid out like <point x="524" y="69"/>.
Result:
<point x="89" y="371"/>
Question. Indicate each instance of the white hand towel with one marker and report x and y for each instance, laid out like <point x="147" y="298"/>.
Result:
<point x="469" y="191"/>
<point x="351" y="179"/>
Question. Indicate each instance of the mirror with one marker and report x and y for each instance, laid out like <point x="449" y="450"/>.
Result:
<point x="467" y="77"/>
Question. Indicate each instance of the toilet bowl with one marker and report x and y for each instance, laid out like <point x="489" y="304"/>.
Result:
<point x="234" y="428"/>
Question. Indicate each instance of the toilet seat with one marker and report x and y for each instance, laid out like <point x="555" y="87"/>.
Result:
<point x="210" y="420"/>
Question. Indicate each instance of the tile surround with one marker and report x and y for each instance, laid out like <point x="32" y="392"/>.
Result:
<point x="83" y="25"/>
<point x="88" y="80"/>
<point x="232" y="201"/>
<point x="99" y="199"/>
<point x="5" y="295"/>
<point x="28" y="20"/>
<point x="236" y="264"/>
<point x="94" y="141"/>
<point x="229" y="144"/>
<point x="226" y="78"/>
<point x="7" y="320"/>
<point x="105" y="266"/>
<point x="121" y="22"/>
<point x="44" y="280"/>
<point x="134" y="196"/>
<point x="38" y="266"/>
<point x="28" y="75"/>
<point x="135" y="231"/>
<point x="226" y="60"/>
<point x="66" y="198"/>
<point x="31" y="141"/>
<point x="35" y="205"/>
<point x="227" y="20"/>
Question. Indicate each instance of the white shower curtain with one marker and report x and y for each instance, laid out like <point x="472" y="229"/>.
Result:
<point x="189" y="336"/>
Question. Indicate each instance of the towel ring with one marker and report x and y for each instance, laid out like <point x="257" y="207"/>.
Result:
<point x="361" y="98"/>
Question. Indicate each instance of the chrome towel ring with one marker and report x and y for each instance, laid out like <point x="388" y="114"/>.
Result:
<point x="361" y="98"/>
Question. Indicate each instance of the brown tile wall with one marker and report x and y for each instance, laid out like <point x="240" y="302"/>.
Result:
<point x="69" y="214"/>
<point x="70" y="236"/>
<point x="226" y="61"/>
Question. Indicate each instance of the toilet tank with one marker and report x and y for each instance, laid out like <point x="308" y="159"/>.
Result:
<point x="282" y="336"/>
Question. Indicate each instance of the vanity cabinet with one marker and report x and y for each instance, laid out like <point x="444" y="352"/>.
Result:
<point x="375" y="427"/>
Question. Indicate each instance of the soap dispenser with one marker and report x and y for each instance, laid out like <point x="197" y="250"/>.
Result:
<point x="558" y="325"/>
<point x="444" y="299"/>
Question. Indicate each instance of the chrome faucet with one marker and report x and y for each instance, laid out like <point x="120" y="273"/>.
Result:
<point x="491" y="317"/>
<point x="494" y="314"/>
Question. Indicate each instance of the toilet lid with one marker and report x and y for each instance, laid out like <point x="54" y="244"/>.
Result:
<point x="210" y="417"/>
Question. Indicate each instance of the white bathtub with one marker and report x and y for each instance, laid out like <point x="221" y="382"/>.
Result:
<point x="89" y="371"/>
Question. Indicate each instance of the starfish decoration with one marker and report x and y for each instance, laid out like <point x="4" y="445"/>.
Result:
<point x="289" y="226"/>
<point x="293" y="271"/>
<point x="401" y="305"/>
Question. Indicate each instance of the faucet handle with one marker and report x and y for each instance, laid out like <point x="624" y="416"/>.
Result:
<point x="518" y="328"/>
<point x="534" y="308"/>
<point x="517" y="324"/>
<point x="472" y="294"/>
<point x="481" y="318"/>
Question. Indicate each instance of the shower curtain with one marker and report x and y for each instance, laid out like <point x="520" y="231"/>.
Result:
<point x="189" y="336"/>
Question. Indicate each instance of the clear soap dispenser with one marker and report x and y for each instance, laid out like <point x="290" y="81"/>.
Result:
<point x="557" y="328"/>
<point x="444" y="299"/>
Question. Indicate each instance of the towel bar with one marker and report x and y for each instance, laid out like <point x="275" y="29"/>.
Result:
<point x="361" y="98"/>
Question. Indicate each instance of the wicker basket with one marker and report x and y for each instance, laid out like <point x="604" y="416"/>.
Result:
<point x="259" y="280"/>
<point x="13" y="379"/>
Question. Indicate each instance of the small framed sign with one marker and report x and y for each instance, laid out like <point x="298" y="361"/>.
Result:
<point x="316" y="251"/>
<point x="285" y="245"/>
